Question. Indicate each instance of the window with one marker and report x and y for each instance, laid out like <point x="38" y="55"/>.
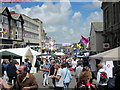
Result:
<point x="30" y="25"/>
<point x="18" y="24"/>
<point x="119" y="12"/>
<point x="5" y="19"/>
<point x="11" y="34"/>
<point x="114" y="14"/>
<point x="5" y="31"/>
<point x="16" y="35"/>
<point x="0" y="32"/>
<point x="19" y="34"/>
<point x="107" y="19"/>
<point x="1" y="19"/>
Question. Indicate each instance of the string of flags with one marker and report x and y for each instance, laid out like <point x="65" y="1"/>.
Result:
<point x="85" y="41"/>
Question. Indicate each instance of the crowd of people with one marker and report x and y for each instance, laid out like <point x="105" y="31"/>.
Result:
<point x="61" y="70"/>
<point x="17" y="77"/>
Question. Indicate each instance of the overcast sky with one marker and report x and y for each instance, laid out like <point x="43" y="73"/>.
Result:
<point x="63" y="21"/>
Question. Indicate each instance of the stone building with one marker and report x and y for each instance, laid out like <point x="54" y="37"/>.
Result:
<point x="111" y="18"/>
<point x="96" y="37"/>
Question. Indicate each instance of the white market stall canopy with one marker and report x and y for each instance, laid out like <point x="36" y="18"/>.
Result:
<point x="59" y="53"/>
<point x="113" y="54"/>
<point x="25" y="53"/>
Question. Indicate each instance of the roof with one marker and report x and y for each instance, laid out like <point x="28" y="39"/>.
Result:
<point x="7" y="54"/>
<point x="97" y="26"/>
<point x="15" y="16"/>
<point x="2" y="9"/>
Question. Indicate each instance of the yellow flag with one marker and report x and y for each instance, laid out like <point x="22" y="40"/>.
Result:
<point x="78" y="46"/>
<point x="4" y="31"/>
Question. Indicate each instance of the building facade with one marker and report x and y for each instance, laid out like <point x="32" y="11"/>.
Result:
<point x="11" y="28"/>
<point x="96" y="37"/>
<point x="111" y="17"/>
<point x="32" y="31"/>
<point x="17" y="30"/>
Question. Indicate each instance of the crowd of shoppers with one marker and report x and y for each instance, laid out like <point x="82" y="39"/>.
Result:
<point x="17" y="77"/>
<point x="61" y="70"/>
<point x="64" y="69"/>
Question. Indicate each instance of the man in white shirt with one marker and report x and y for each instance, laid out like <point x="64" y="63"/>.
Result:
<point x="78" y="71"/>
<point x="74" y="64"/>
<point x="59" y="77"/>
<point x="101" y="85"/>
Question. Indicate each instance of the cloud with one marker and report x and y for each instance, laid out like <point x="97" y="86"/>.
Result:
<point x="94" y="17"/>
<point x="76" y="17"/>
<point x="18" y="9"/>
<point x="92" y="5"/>
<point x="61" y="22"/>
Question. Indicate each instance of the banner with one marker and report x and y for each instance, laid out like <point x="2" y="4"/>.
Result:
<point x="84" y="40"/>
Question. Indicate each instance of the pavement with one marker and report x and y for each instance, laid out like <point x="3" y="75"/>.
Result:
<point x="39" y="79"/>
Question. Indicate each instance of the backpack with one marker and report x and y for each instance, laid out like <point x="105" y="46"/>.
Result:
<point x="103" y="77"/>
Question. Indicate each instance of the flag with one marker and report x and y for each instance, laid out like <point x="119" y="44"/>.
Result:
<point x="6" y="28"/>
<point x="26" y="34"/>
<point x="84" y="40"/>
<point x="4" y="31"/>
<point x="78" y="46"/>
<point x="87" y="46"/>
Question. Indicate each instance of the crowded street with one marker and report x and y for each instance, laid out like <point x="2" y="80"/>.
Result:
<point x="60" y="45"/>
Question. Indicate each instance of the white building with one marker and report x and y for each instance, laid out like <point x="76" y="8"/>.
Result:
<point x="32" y="31"/>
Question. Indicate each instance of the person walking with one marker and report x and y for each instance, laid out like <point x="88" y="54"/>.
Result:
<point x="52" y="71"/>
<point x="37" y="64"/>
<point x="46" y="69"/>
<point x="101" y="78"/>
<point x="59" y="77"/>
<point x="25" y="80"/>
<point x="74" y="64"/>
<point x="28" y="64"/>
<point x="4" y="65"/>
<point x="67" y="76"/>
<point x="84" y="79"/>
<point x="11" y="73"/>
<point x="78" y="70"/>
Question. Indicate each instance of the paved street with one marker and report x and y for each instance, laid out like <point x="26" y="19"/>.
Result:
<point x="39" y="79"/>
